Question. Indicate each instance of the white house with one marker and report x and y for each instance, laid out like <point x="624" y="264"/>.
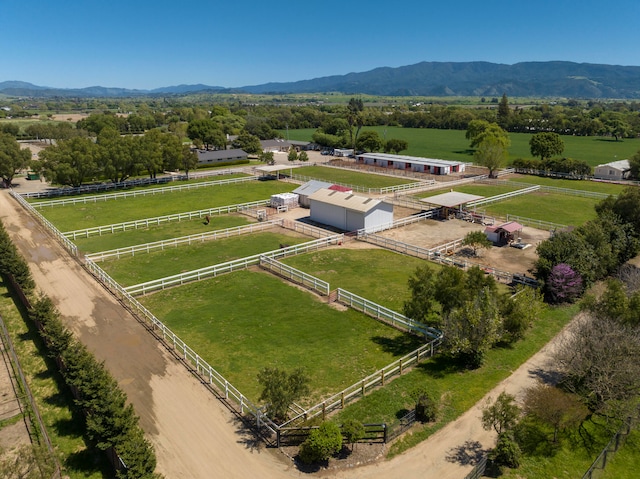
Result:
<point x="413" y="163"/>
<point x="616" y="170"/>
<point x="348" y="212"/>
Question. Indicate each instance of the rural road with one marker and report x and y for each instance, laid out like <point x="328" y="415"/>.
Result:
<point x="193" y="433"/>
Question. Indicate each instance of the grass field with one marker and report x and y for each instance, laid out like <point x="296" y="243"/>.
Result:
<point x="351" y="177"/>
<point x="584" y="185"/>
<point x="473" y="189"/>
<point x="55" y="402"/>
<point x="378" y="275"/>
<point x="72" y="217"/>
<point x="160" y="232"/>
<point x="452" y="144"/>
<point x="245" y="321"/>
<point x="624" y="464"/>
<point x="145" y="267"/>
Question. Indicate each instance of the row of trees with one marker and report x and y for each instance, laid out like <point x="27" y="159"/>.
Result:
<point x="110" y="422"/>
<point x="114" y="157"/>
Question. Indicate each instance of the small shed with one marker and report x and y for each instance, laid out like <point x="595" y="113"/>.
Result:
<point x="614" y="171"/>
<point x="504" y="233"/>
<point x="349" y="212"/>
<point x="284" y="200"/>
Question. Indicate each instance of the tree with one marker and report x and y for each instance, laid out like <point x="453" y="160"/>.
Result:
<point x="394" y="145"/>
<point x="564" y="285"/>
<point x="422" y="306"/>
<point x="426" y="405"/>
<point x="546" y="144"/>
<point x="266" y="157"/>
<point x="554" y="407"/>
<point x="472" y="329"/>
<point x="507" y="452"/>
<point x="280" y="389"/>
<point x="303" y="156"/>
<point x="247" y="142"/>
<point x="321" y="444"/>
<point x="504" y="112"/>
<point x="293" y="154"/>
<point x="519" y="312"/>
<point x="355" y="119"/>
<point x="626" y="206"/>
<point x="12" y="158"/>
<point x="502" y="415"/>
<point x="71" y="162"/>
<point x="352" y="430"/>
<point x="476" y="239"/>
<point x="491" y="153"/>
<point x="369" y="141"/>
<point x="598" y="362"/>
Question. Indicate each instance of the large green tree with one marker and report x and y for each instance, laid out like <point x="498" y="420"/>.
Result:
<point x="370" y="141"/>
<point x="546" y="144"/>
<point x="355" y="119"/>
<point x="12" y="158"/>
<point x="280" y="389"/>
<point x="71" y="162"/>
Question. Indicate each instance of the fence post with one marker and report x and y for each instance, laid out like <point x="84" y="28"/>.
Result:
<point x="400" y="367"/>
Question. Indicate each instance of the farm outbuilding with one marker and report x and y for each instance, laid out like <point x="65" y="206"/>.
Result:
<point x="616" y="170"/>
<point x="412" y="163"/>
<point x="504" y="233"/>
<point x="309" y="188"/>
<point x="450" y="202"/>
<point x="212" y="157"/>
<point x="349" y="212"/>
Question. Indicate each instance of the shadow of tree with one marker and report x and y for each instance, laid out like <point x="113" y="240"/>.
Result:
<point x="467" y="454"/>
<point x="399" y="345"/>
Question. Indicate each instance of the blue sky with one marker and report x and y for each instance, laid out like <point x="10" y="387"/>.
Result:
<point x="149" y="44"/>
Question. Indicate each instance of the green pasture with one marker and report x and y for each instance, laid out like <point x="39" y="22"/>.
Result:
<point x="479" y="189"/>
<point x="624" y="464"/>
<point x="552" y="207"/>
<point x="79" y="216"/>
<point x="452" y="144"/>
<point x="145" y="267"/>
<point x="378" y="275"/>
<point x="245" y="321"/>
<point x="583" y="185"/>
<point x="456" y="389"/>
<point x="164" y="231"/>
<point x="572" y="457"/>
<point x="64" y="423"/>
<point x="351" y="177"/>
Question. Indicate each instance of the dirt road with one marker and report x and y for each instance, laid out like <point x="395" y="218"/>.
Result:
<point x="194" y="435"/>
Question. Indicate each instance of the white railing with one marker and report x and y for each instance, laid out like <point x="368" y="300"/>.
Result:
<point x="295" y="275"/>
<point x="386" y="315"/>
<point x="184" y="240"/>
<point x="230" y="266"/>
<point x="504" y="196"/>
<point x="358" y="188"/>
<point x="136" y="193"/>
<point x="66" y="243"/>
<point x="145" y="223"/>
<point x="534" y="223"/>
<point x="306" y="229"/>
<point x="552" y="189"/>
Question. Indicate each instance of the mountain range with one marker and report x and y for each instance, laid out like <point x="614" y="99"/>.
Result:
<point x="552" y="79"/>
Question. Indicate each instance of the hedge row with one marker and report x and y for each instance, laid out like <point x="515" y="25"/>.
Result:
<point x="111" y="424"/>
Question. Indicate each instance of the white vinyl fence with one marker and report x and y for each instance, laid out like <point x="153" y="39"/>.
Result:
<point x="295" y="275"/>
<point x="184" y="240"/>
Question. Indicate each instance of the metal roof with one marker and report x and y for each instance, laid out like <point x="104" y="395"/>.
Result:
<point x="345" y="200"/>
<point x="451" y="199"/>
<point x="622" y="165"/>
<point x="410" y="159"/>
<point x="311" y="187"/>
<point x="274" y="168"/>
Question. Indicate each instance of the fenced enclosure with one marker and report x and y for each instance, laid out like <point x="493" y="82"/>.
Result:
<point x="504" y="196"/>
<point x="616" y="442"/>
<point x="185" y="240"/>
<point x="137" y="193"/>
<point x="145" y="223"/>
<point x="294" y="275"/>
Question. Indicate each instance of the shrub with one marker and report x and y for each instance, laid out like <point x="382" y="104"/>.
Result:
<point x="321" y="444"/>
<point x="507" y="452"/>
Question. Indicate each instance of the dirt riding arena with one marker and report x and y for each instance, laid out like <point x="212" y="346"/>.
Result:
<point x="431" y="233"/>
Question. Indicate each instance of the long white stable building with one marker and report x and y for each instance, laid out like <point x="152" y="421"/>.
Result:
<point x="413" y="163"/>
<point x="347" y="211"/>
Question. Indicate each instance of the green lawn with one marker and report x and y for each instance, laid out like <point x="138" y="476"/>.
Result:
<point x="624" y="464"/>
<point x="145" y="267"/>
<point x="452" y="144"/>
<point x="245" y="321"/>
<point x="55" y="402"/>
<point x="164" y="231"/>
<point x="584" y="185"/>
<point x="72" y="217"/>
<point x="350" y="177"/>
<point x="377" y="275"/>
<point x="552" y="207"/>
<point x="479" y="189"/>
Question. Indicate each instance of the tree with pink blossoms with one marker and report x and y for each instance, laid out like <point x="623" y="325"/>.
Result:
<point x="564" y="285"/>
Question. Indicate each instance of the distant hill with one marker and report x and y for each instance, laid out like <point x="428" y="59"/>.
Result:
<point x="527" y="79"/>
